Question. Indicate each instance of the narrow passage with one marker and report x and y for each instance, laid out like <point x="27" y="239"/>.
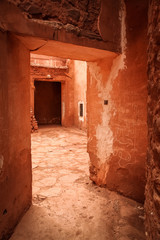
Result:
<point x="66" y="204"/>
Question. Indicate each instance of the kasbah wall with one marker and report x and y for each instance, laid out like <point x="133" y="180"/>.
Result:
<point x="117" y="132"/>
<point x="152" y="204"/>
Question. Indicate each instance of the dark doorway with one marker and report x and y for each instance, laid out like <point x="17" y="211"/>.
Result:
<point x="48" y="102"/>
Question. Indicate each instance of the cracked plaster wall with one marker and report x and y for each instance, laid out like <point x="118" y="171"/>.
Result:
<point x="117" y="131"/>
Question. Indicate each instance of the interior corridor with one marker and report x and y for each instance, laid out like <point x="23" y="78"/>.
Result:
<point x="66" y="204"/>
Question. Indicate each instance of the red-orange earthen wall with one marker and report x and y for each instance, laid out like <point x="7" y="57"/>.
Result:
<point x="80" y="88"/>
<point x="117" y="128"/>
<point x="15" y="146"/>
<point x="152" y="203"/>
<point x="75" y="14"/>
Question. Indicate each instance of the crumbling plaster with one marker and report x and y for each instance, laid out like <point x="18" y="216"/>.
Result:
<point x="117" y="130"/>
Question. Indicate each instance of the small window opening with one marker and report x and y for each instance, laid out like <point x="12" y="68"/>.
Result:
<point x="81" y="109"/>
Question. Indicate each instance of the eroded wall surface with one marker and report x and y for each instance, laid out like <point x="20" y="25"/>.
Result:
<point x="48" y="61"/>
<point x="82" y="14"/>
<point x="117" y="115"/>
<point x="94" y="23"/>
<point x="80" y="88"/>
<point x="152" y="204"/>
<point x="15" y="147"/>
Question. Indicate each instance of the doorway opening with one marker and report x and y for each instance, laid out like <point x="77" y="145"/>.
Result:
<point x="58" y="99"/>
<point x="116" y="101"/>
<point x="47" y="102"/>
<point x="57" y="90"/>
<point x="71" y="212"/>
<point x="62" y="191"/>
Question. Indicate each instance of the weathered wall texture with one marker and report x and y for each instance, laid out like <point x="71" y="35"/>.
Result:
<point x="15" y="149"/>
<point x="117" y="129"/>
<point x="80" y="88"/>
<point x="47" y="108"/>
<point x="152" y="204"/>
<point x="43" y="73"/>
<point x="109" y="23"/>
<point x="48" y="61"/>
<point x="78" y="13"/>
<point x="97" y="20"/>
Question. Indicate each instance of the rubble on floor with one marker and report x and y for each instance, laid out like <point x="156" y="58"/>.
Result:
<point x="34" y="124"/>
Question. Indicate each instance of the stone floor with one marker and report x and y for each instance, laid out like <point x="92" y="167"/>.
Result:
<point x="66" y="204"/>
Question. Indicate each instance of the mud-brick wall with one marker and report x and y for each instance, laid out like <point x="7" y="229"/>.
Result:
<point x="152" y="204"/>
<point x="15" y="139"/>
<point x="79" y="13"/>
<point x="117" y="109"/>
